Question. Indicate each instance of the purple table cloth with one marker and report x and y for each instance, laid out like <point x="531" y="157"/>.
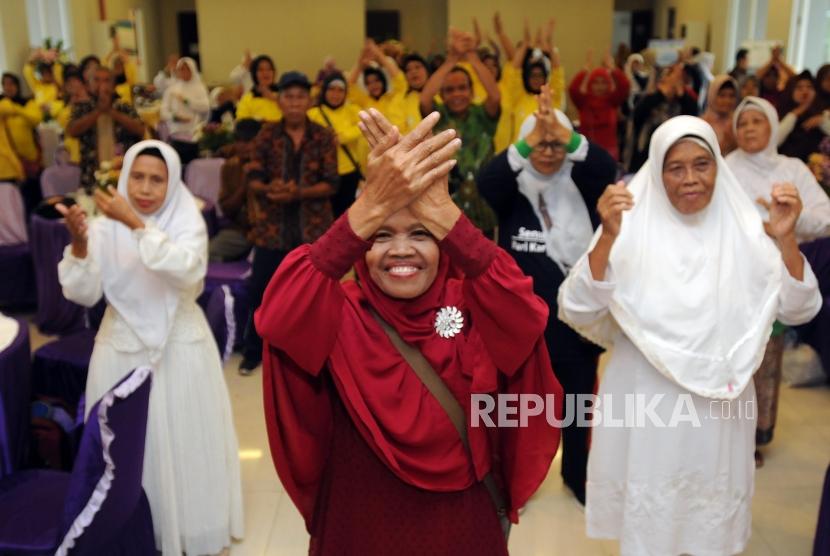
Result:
<point x="15" y="393"/>
<point x="17" y="276"/>
<point x="60" y="179"/>
<point x="59" y="368"/>
<point x="100" y="508"/>
<point x="55" y="313"/>
<point x="816" y="333"/>
<point x="203" y="176"/>
<point x="227" y="312"/>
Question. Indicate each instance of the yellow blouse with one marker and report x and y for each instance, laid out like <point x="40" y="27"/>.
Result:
<point x="344" y="123"/>
<point x="517" y="104"/>
<point x="45" y="93"/>
<point x="257" y="108"/>
<point x="389" y="102"/>
<point x="21" y="121"/>
<point x="10" y="166"/>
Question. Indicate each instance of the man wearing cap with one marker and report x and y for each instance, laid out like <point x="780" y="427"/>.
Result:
<point x="290" y="180"/>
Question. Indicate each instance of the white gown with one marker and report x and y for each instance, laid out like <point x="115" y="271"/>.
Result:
<point x="667" y="491"/>
<point x="191" y="463"/>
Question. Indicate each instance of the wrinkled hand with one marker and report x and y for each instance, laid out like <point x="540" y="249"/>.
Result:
<point x="784" y="210"/>
<point x="614" y="201"/>
<point x="400" y="170"/>
<point x="116" y="207"/>
<point x="548" y="127"/>
<point x="75" y="221"/>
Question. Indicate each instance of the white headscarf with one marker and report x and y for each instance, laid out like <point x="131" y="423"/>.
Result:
<point x="697" y="294"/>
<point x="186" y="98"/>
<point x="143" y="298"/>
<point x="572" y="230"/>
<point x="757" y="172"/>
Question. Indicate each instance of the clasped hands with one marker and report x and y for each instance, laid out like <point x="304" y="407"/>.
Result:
<point x="406" y="172"/>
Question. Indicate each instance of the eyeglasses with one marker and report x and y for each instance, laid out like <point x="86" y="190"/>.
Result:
<point x="554" y="146"/>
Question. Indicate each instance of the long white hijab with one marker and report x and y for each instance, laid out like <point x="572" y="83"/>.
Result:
<point x="697" y="294"/>
<point x="571" y="233"/>
<point x="145" y="298"/>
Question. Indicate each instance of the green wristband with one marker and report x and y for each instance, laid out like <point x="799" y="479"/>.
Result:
<point x="523" y="148"/>
<point x="573" y="144"/>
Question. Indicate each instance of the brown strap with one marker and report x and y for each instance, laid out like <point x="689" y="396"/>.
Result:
<point x="425" y="372"/>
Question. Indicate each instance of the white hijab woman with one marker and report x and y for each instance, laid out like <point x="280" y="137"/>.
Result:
<point x="683" y="282"/>
<point x="758" y="168"/>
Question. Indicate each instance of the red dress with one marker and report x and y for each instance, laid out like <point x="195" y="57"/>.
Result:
<point x="366" y="453"/>
<point x="598" y="114"/>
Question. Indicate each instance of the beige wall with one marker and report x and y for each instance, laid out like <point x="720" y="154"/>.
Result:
<point x="14" y="32"/>
<point x="297" y="35"/>
<point x="713" y="13"/>
<point x="778" y="20"/>
<point x="423" y="23"/>
<point x="579" y="25"/>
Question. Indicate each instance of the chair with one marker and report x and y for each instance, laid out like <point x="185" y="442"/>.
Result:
<point x="55" y="313"/>
<point x="60" y="179"/>
<point x="59" y="368"/>
<point x="203" y="176"/>
<point x="226" y="302"/>
<point x="98" y="508"/>
<point x="816" y="333"/>
<point x="17" y="277"/>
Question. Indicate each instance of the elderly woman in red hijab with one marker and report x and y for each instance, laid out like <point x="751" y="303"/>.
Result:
<point x="368" y="382"/>
<point x="598" y="94"/>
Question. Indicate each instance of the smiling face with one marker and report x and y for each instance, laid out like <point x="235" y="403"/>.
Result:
<point x="457" y="91"/>
<point x="724" y="102"/>
<point x="374" y="85"/>
<point x="147" y="184"/>
<point x="265" y="73"/>
<point x="536" y="78"/>
<point x="416" y="75"/>
<point x="689" y="173"/>
<point x="403" y="260"/>
<point x="752" y="131"/>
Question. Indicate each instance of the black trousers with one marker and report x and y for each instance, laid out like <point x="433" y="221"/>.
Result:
<point x="187" y="151"/>
<point x="266" y="262"/>
<point x="343" y="199"/>
<point x="577" y="376"/>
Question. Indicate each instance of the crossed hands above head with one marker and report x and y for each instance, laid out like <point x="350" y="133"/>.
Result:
<point x="406" y="172"/>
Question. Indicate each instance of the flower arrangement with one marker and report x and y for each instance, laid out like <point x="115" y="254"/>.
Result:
<point x="106" y="175"/>
<point x="214" y="136"/>
<point x="49" y="54"/>
<point x="819" y="163"/>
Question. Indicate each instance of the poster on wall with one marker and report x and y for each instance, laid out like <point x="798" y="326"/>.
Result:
<point x="125" y="35"/>
<point x="665" y="50"/>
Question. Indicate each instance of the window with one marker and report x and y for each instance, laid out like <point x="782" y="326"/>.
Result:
<point x="49" y="19"/>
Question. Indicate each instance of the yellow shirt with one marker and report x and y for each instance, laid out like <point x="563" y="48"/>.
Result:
<point x="45" y="93"/>
<point x="388" y="104"/>
<point x="62" y="114"/>
<point x="344" y="124"/>
<point x="10" y="166"/>
<point x="518" y="104"/>
<point x="257" y="108"/>
<point x="21" y="122"/>
<point x="408" y="107"/>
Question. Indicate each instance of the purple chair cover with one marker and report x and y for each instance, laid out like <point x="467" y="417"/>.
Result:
<point x="15" y="393"/>
<point x="59" y="368"/>
<point x="234" y="275"/>
<point x="55" y="313"/>
<point x="100" y="508"/>
<point x="12" y="216"/>
<point x="211" y="218"/>
<point x="203" y="176"/>
<point x="17" y="276"/>
<point x="60" y="180"/>
<point x="816" y="333"/>
<point x="222" y="318"/>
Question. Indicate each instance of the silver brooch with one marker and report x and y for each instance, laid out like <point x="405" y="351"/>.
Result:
<point x="448" y="322"/>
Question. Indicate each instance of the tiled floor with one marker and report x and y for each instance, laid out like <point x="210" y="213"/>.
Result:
<point x="785" y="507"/>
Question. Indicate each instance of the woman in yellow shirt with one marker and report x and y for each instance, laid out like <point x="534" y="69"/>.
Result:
<point x="125" y="72"/>
<point x="20" y="117"/>
<point x="260" y="103"/>
<point x="46" y="87"/>
<point x="378" y="93"/>
<point x="341" y="116"/>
